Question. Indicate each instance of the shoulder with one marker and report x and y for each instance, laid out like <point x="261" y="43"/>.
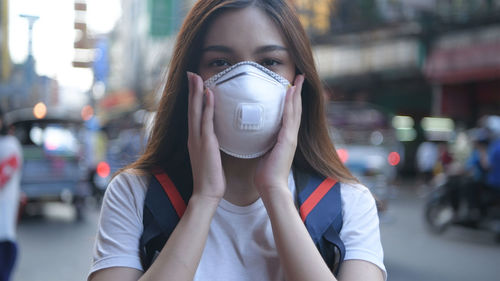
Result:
<point x="131" y="176"/>
<point x="130" y="179"/>
<point x="359" y="208"/>
<point x="122" y="207"/>
<point x="11" y="142"/>
<point x="128" y="186"/>
<point x="355" y="194"/>
<point x="120" y="222"/>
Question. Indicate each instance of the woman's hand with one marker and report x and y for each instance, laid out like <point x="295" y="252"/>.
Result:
<point x="273" y="169"/>
<point x="299" y="257"/>
<point x="208" y="175"/>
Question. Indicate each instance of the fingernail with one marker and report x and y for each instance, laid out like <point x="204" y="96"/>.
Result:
<point x="189" y="75"/>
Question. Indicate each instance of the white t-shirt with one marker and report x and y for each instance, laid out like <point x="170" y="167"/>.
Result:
<point x="240" y="243"/>
<point x="10" y="177"/>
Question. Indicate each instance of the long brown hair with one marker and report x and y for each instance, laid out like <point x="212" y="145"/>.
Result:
<point x="167" y="145"/>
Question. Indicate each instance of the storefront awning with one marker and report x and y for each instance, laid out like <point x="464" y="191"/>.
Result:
<point x="352" y="61"/>
<point x="464" y="64"/>
<point x="116" y="103"/>
<point x="118" y="100"/>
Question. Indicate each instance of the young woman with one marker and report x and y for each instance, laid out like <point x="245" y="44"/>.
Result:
<point x="241" y="221"/>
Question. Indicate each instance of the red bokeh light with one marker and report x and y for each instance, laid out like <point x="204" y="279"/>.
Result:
<point x="103" y="169"/>
<point x="393" y="158"/>
<point x="343" y="154"/>
<point x="87" y="112"/>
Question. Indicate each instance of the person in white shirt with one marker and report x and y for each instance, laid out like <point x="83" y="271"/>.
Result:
<point x="253" y="110"/>
<point x="10" y="179"/>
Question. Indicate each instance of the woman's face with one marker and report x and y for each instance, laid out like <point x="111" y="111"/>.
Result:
<point x="245" y="35"/>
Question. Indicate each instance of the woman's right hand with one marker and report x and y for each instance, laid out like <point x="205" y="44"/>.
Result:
<point x="203" y="146"/>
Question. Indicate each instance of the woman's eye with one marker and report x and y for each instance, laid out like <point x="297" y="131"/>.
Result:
<point x="219" y="63"/>
<point x="270" y="62"/>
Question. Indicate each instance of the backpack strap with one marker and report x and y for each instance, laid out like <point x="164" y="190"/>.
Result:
<point x="163" y="207"/>
<point x="320" y="207"/>
<point x="173" y="194"/>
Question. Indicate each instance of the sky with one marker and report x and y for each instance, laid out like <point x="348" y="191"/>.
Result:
<point x="53" y="35"/>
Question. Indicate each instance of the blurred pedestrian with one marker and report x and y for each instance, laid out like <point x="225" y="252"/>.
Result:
<point x="478" y="163"/>
<point x="493" y="176"/>
<point x="10" y="177"/>
<point x="493" y="180"/>
<point x="477" y="167"/>
<point x="445" y="159"/>
<point x="426" y="159"/>
<point x="484" y="167"/>
<point x="257" y="97"/>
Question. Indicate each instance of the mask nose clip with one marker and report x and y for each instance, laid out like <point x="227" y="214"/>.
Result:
<point x="249" y="116"/>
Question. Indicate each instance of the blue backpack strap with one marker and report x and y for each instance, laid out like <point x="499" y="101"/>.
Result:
<point x="323" y="221"/>
<point x="320" y="206"/>
<point x="161" y="214"/>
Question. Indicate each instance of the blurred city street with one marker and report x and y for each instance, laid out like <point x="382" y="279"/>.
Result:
<point x="412" y="253"/>
<point x="57" y="248"/>
<point x="412" y="94"/>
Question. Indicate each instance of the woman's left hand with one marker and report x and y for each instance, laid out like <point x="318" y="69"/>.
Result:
<point x="274" y="167"/>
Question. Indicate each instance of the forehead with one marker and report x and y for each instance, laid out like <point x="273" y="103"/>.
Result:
<point x="243" y="28"/>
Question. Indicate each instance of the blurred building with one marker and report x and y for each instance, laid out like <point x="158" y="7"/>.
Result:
<point x="20" y="85"/>
<point x="464" y="69"/>
<point x="408" y="55"/>
<point x="415" y="58"/>
<point x="139" y="50"/>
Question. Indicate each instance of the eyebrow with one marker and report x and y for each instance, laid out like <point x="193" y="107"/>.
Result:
<point x="260" y="50"/>
<point x="217" y="48"/>
<point x="270" y="48"/>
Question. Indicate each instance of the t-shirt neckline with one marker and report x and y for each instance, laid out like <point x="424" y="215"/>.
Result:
<point x="230" y="207"/>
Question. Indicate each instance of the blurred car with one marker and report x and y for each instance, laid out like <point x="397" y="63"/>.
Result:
<point x="125" y="141"/>
<point x="53" y="169"/>
<point x="366" y="143"/>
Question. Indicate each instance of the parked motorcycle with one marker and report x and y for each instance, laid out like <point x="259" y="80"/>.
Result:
<point x="447" y="204"/>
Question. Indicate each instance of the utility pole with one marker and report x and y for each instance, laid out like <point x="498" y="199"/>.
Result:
<point x="30" y="61"/>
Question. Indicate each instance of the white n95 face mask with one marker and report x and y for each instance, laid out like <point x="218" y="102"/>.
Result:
<point x="249" y="100"/>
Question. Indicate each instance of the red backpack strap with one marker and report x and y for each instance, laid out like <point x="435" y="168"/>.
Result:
<point x="308" y="205"/>
<point x="172" y="192"/>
